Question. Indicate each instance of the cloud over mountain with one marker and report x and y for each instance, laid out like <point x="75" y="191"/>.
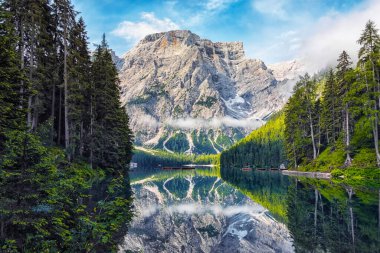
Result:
<point x="148" y="24"/>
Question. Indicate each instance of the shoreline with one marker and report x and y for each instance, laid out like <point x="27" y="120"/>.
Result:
<point x="320" y="175"/>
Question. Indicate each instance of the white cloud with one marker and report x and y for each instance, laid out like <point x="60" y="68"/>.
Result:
<point x="213" y="5"/>
<point x="336" y="32"/>
<point x="229" y="211"/>
<point x="133" y="31"/>
<point x="274" y="8"/>
<point x="281" y="47"/>
<point x="317" y="43"/>
<point x="195" y="123"/>
<point x="149" y="23"/>
<point x="145" y="121"/>
<point x="197" y="208"/>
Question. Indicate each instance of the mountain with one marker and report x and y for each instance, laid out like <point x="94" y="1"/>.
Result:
<point x="190" y="213"/>
<point x="188" y="94"/>
<point x="119" y="62"/>
<point x="288" y="70"/>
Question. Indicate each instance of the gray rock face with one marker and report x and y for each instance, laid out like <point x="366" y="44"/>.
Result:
<point x="175" y="82"/>
<point x="200" y="214"/>
<point x="119" y="62"/>
<point x="287" y="70"/>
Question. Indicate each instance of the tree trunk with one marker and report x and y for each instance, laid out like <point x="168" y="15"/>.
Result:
<point x="295" y="155"/>
<point x="35" y="114"/>
<point x="323" y="213"/>
<point x="22" y="60"/>
<point x="29" y="117"/>
<point x="91" y="130"/>
<point x="350" y="192"/>
<point x="60" y="117"/>
<point x="52" y="114"/>
<point x="315" y="212"/>
<point x="30" y="97"/>
<point x="312" y="136"/>
<point x="31" y="63"/>
<point x="347" y="127"/>
<point x="2" y="233"/>
<point x="319" y="135"/>
<point x="376" y="121"/>
<point x="379" y="212"/>
<point x="66" y="92"/>
<point x="352" y="228"/>
<point x="375" y="129"/>
<point x="81" y="142"/>
<point x="333" y="123"/>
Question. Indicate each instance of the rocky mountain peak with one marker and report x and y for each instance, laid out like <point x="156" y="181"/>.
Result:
<point x="172" y="37"/>
<point x="287" y="70"/>
<point x="185" y="38"/>
<point x="177" y="87"/>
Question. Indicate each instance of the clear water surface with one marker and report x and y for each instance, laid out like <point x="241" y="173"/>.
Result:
<point x="250" y="211"/>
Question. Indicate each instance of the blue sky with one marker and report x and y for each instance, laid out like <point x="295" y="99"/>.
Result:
<point x="272" y="30"/>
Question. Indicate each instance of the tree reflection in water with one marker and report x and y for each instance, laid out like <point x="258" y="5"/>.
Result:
<point x="321" y="216"/>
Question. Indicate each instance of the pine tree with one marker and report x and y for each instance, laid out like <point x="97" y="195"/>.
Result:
<point x="64" y="17"/>
<point x="12" y="105"/>
<point x="368" y="58"/>
<point x="32" y="20"/>
<point x="26" y="171"/>
<point x="309" y="96"/>
<point x="112" y="138"/>
<point x="49" y="202"/>
<point x="344" y="82"/>
<point x="303" y="129"/>
<point x="292" y="133"/>
<point x="310" y="93"/>
<point x="78" y="100"/>
<point x="331" y="109"/>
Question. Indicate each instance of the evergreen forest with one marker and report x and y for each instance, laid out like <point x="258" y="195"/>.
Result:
<point x="333" y="122"/>
<point x="330" y="123"/>
<point x="65" y="144"/>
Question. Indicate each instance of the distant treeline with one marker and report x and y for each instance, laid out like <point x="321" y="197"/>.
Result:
<point x="158" y="158"/>
<point x="263" y="148"/>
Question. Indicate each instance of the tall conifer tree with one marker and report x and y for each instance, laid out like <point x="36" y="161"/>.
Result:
<point x="369" y="55"/>
<point x="12" y="105"/>
<point x="111" y="134"/>
<point x="344" y="82"/>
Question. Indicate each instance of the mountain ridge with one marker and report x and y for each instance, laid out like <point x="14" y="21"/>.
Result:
<point x="177" y="87"/>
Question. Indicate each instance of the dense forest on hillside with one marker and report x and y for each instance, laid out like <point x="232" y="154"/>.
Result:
<point x="263" y="148"/>
<point x="338" y="126"/>
<point x="149" y="159"/>
<point x="65" y="144"/>
<point x="330" y="122"/>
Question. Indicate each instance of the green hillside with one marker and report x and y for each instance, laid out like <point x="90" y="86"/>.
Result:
<point x="263" y="148"/>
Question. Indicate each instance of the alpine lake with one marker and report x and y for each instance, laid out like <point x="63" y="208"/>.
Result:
<point x="231" y="210"/>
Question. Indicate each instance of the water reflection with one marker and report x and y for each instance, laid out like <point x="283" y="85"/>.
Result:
<point x="333" y="218"/>
<point x="320" y="215"/>
<point x="196" y="211"/>
<point x="252" y="211"/>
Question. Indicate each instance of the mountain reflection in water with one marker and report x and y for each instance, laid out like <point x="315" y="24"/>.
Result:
<point x="197" y="211"/>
